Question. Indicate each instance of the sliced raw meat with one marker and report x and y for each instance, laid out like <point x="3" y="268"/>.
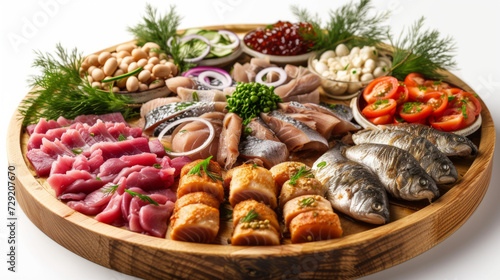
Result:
<point x="122" y="148"/>
<point x="229" y="140"/>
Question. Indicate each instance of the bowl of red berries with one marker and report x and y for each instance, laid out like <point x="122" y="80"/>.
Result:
<point x="281" y="43"/>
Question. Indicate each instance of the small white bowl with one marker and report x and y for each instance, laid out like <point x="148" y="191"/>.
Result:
<point x="361" y="120"/>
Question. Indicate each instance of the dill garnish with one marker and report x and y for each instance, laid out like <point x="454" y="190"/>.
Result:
<point x="353" y="24"/>
<point x="142" y="197"/>
<point x="302" y="172"/>
<point x="61" y="91"/>
<point x="321" y="164"/>
<point x="159" y="29"/>
<point x="121" y="137"/>
<point x="196" y="170"/>
<point x="250" y="216"/>
<point x="307" y="202"/>
<point x="110" y="189"/>
<point x="422" y="51"/>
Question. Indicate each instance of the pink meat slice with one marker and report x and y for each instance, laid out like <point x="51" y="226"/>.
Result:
<point x="153" y="219"/>
<point x="92" y="119"/>
<point x="178" y="163"/>
<point x="112" y="214"/>
<point x="43" y="126"/>
<point x="74" y="181"/>
<point x="122" y="148"/>
<point x="150" y="178"/>
<point x="110" y="169"/>
<point x="229" y="140"/>
<point x="156" y="147"/>
<point x="35" y="140"/>
<point x="93" y="203"/>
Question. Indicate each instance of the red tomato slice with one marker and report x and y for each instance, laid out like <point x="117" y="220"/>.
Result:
<point x="452" y="119"/>
<point x="402" y="94"/>
<point x="380" y="108"/>
<point x="468" y="99"/>
<point x="415" y="111"/>
<point x="438" y="101"/>
<point x="414" y="80"/>
<point x="452" y="91"/>
<point x="385" y="119"/>
<point x="381" y="88"/>
<point x="436" y="85"/>
<point x="417" y="93"/>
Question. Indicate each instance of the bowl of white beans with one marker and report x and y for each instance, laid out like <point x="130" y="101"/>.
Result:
<point x="138" y="72"/>
<point x="345" y="72"/>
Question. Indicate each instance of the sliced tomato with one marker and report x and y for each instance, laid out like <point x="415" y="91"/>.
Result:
<point x="381" y="88"/>
<point x="402" y="94"/>
<point x="436" y="85"/>
<point x="380" y="108"/>
<point x="452" y="119"/>
<point x="468" y="99"/>
<point x="452" y="91"/>
<point x="417" y="93"/>
<point x="385" y="119"/>
<point x="415" y="111"/>
<point x="414" y="80"/>
<point x="438" y="101"/>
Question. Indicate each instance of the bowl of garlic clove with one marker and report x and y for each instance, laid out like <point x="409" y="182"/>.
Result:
<point x="345" y="72"/>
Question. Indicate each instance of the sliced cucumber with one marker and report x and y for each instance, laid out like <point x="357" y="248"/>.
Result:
<point x="192" y="31"/>
<point x="213" y="36"/>
<point x="218" y="52"/>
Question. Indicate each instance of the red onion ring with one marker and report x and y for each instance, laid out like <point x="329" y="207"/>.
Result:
<point x="263" y="72"/>
<point x="196" y="71"/>
<point x="225" y="79"/>
<point x="207" y="142"/>
<point x="230" y="34"/>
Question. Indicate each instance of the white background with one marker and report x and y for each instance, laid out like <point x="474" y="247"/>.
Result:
<point x="472" y="252"/>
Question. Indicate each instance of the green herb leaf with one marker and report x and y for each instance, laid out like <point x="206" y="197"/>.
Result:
<point x="307" y="202"/>
<point x="195" y="96"/>
<point x="122" y="137"/>
<point x="464" y="111"/>
<point x="131" y="73"/>
<point x="422" y="88"/>
<point x="110" y="189"/>
<point x="437" y="83"/>
<point x="321" y="164"/>
<point x="98" y="179"/>
<point x="422" y="51"/>
<point x="347" y="66"/>
<point x="463" y="101"/>
<point x="247" y="131"/>
<point x="196" y="170"/>
<point x="250" y="216"/>
<point x="450" y="98"/>
<point x="142" y="197"/>
<point x="77" y="151"/>
<point x="157" y="165"/>
<point x="92" y="134"/>
<point x="302" y="172"/>
<point x="255" y="165"/>
<point x="167" y="149"/>
<point x="182" y="131"/>
<point x="353" y="24"/>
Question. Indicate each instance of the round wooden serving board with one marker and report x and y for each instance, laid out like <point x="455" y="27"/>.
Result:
<point x="363" y="249"/>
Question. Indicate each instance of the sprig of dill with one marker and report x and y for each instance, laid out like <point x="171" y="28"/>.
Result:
<point x="352" y="24"/>
<point x="251" y="215"/>
<point x="422" y="51"/>
<point x="196" y="170"/>
<point x="302" y="172"/>
<point x="142" y="197"/>
<point x="159" y="29"/>
<point x="60" y="91"/>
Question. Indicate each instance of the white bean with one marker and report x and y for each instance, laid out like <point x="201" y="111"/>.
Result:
<point x="161" y="71"/>
<point x="142" y="62"/>
<point x="125" y="47"/>
<point x="144" y="76"/>
<point x="370" y="63"/>
<point x="139" y="54"/>
<point x="149" y="46"/>
<point x="110" y="66"/>
<point x="93" y="59"/>
<point x="341" y="50"/>
<point x="173" y="68"/>
<point x="98" y="74"/>
<point x="132" y="83"/>
<point x="328" y="54"/>
<point x="103" y="57"/>
<point x="132" y="66"/>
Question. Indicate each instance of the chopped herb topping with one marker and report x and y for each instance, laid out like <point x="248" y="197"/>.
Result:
<point x="98" y="179"/>
<point x="422" y="88"/>
<point x="437" y="83"/>
<point x="346" y="67"/>
<point x="307" y="202"/>
<point x="77" y="151"/>
<point x="464" y="111"/>
<point x="315" y="214"/>
<point x="182" y="131"/>
<point x="110" y="189"/>
<point x="250" y="216"/>
<point x="302" y="172"/>
<point x="196" y="170"/>
<point x="184" y="105"/>
<point x="255" y="165"/>
<point x="450" y="98"/>
<point x="195" y="96"/>
<point x="121" y="137"/>
<point x="321" y="164"/>
<point x="92" y="134"/>
<point x="157" y="165"/>
<point x="167" y="149"/>
<point x="463" y="101"/>
<point x="379" y="102"/>
<point x="333" y="106"/>
<point x="143" y="197"/>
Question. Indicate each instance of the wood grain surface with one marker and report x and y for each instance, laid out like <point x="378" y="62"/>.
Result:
<point x="414" y="227"/>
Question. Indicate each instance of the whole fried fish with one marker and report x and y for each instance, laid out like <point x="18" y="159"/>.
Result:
<point x="397" y="169"/>
<point x="433" y="161"/>
<point x="448" y="143"/>
<point x="352" y="188"/>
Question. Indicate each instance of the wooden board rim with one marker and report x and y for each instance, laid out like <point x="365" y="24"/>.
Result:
<point x="31" y="195"/>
